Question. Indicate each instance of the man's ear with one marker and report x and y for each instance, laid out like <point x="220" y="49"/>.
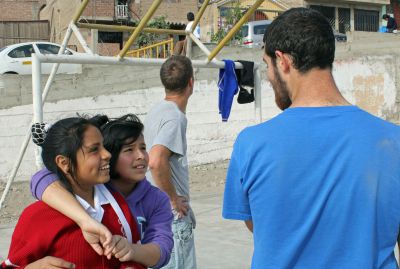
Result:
<point x="190" y="86"/>
<point x="283" y="60"/>
<point x="191" y="82"/>
<point x="63" y="163"/>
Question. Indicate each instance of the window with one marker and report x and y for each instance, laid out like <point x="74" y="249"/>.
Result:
<point x="110" y="37"/>
<point x="22" y="52"/>
<point x="50" y="49"/>
<point x="344" y="20"/>
<point x="328" y="12"/>
<point x="366" y="20"/>
<point x="245" y="30"/>
<point x="259" y="29"/>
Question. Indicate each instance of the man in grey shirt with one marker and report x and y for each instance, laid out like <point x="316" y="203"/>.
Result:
<point x="165" y="136"/>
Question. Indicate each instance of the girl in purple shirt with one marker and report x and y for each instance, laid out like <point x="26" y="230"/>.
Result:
<point x="123" y="138"/>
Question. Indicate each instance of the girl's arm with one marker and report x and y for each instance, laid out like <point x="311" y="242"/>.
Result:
<point x="46" y="187"/>
<point x="157" y="242"/>
<point x="158" y="230"/>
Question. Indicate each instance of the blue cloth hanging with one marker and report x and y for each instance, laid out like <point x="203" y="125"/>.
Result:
<point x="228" y="87"/>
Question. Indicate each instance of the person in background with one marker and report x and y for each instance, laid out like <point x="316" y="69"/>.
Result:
<point x="165" y="135"/>
<point x="180" y="46"/>
<point x="318" y="185"/>
<point x="391" y="23"/>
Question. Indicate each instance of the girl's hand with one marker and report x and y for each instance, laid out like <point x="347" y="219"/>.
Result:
<point x="123" y="250"/>
<point x="98" y="236"/>
<point x="50" y="262"/>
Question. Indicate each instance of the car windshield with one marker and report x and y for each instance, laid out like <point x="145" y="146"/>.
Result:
<point x="260" y="29"/>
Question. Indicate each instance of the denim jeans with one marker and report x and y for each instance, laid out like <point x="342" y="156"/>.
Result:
<point x="183" y="254"/>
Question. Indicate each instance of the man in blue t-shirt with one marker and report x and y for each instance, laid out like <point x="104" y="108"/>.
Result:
<point x="318" y="185"/>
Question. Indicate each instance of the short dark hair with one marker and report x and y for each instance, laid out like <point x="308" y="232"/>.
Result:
<point x="304" y="34"/>
<point x="117" y="133"/>
<point x="176" y="72"/>
<point x="65" y="138"/>
<point x="385" y="16"/>
<point x="190" y="16"/>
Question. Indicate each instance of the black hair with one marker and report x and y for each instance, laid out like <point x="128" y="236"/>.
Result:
<point x="117" y="133"/>
<point x="385" y="16"/>
<point x="304" y="34"/>
<point x="176" y="72"/>
<point x="190" y="16"/>
<point x="65" y="138"/>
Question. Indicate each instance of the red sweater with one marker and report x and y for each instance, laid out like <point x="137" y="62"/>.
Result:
<point x="42" y="231"/>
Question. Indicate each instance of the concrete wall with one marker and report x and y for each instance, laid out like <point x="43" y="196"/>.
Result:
<point x="372" y="82"/>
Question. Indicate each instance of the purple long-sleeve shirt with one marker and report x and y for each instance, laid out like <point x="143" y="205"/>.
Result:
<point x="149" y="205"/>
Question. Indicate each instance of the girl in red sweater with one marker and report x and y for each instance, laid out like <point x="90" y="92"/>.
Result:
<point x="72" y="148"/>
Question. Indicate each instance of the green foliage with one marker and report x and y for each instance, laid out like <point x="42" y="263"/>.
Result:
<point x="233" y="15"/>
<point x="145" y="39"/>
<point x="219" y="35"/>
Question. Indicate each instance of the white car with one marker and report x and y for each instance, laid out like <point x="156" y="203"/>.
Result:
<point x="253" y="33"/>
<point x="17" y="58"/>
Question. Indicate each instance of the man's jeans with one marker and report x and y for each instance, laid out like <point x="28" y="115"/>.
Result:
<point x="183" y="254"/>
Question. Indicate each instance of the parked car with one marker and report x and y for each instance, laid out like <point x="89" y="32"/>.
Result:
<point x="17" y="58"/>
<point x="340" y="37"/>
<point x="253" y="33"/>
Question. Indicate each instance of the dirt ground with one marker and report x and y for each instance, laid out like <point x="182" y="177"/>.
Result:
<point x="202" y="178"/>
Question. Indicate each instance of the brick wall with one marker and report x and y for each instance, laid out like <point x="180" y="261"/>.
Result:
<point x="108" y="49"/>
<point x="396" y="11"/>
<point x="100" y="8"/>
<point x="20" y="10"/>
<point x="175" y="10"/>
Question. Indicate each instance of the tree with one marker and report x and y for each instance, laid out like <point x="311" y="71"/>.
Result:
<point x="145" y="39"/>
<point x="233" y="15"/>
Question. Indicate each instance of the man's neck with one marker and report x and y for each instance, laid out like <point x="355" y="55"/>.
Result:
<point x="316" y="88"/>
<point x="179" y="99"/>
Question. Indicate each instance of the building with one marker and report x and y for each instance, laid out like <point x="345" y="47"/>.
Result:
<point x="115" y="12"/>
<point x="20" y="10"/>
<point x="216" y="14"/>
<point x="352" y="15"/>
<point x="394" y="8"/>
<point x="348" y="15"/>
<point x="19" y="22"/>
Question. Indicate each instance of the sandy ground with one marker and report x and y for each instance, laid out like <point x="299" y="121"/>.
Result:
<point x="202" y="178"/>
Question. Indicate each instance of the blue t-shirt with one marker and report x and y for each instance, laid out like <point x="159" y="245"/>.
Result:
<point x="322" y="187"/>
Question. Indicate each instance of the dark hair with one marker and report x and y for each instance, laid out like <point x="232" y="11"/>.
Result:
<point x="120" y="132"/>
<point x="304" y="34"/>
<point x="65" y="138"/>
<point x="176" y="72"/>
<point x="190" y="16"/>
<point x="385" y="16"/>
